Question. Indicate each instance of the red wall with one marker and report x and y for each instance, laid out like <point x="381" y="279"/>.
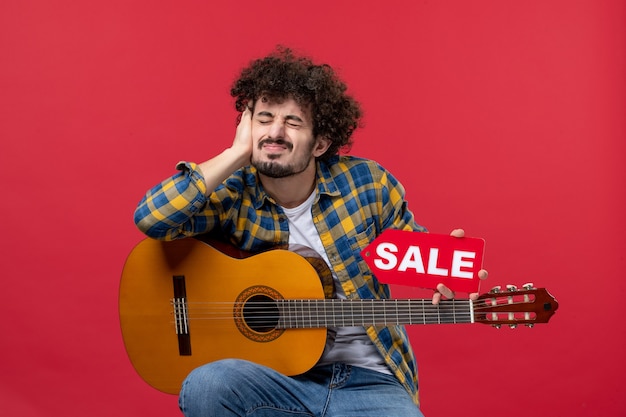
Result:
<point x="502" y="117"/>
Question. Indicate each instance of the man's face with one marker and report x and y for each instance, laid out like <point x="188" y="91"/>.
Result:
<point x="282" y="136"/>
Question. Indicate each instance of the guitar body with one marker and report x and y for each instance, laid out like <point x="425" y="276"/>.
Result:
<point x="214" y="287"/>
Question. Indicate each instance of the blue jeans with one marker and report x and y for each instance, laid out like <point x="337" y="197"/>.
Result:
<point x="233" y="387"/>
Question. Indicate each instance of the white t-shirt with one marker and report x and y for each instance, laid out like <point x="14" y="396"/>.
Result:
<point x="352" y="344"/>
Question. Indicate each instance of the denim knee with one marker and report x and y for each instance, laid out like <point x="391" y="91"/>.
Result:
<point x="214" y="376"/>
<point x="209" y="386"/>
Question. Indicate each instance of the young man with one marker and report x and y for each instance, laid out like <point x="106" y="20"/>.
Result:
<point x="282" y="181"/>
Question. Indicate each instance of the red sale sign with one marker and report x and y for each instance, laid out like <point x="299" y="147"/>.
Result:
<point x="425" y="260"/>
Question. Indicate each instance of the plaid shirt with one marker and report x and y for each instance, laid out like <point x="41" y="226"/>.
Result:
<point x="356" y="200"/>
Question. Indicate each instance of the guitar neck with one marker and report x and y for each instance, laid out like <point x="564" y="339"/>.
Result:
<point x="345" y="313"/>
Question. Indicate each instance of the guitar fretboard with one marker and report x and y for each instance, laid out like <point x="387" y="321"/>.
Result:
<point x="345" y="313"/>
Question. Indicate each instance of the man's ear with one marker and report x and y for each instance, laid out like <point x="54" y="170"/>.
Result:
<point x="322" y="144"/>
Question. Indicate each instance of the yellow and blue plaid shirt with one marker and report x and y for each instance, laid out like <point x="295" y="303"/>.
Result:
<point x="356" y="200"/>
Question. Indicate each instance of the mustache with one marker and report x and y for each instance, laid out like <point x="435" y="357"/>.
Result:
<point x="281" y="142"/>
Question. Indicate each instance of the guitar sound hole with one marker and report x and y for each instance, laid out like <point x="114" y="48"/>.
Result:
<point x="261" y="314"/>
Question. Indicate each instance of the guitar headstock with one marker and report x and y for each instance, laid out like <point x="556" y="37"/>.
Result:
<point x="513" y="306"/>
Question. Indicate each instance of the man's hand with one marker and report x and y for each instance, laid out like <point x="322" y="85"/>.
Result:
<point x="242" y="144"/>
<point x="218" y="168"/>
<point x="447" y="293"/>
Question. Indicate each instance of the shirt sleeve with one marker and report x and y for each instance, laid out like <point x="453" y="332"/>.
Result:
<point x="168" y="210"/>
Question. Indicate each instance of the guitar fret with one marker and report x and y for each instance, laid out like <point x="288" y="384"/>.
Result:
<point x="312" y="317"/>
<point x="352" y="313"/>
<point x="453" y="311"/>
<point x="384" y="313"/>
<point x="308" y="315"/>
<point x="410" y="316"/>
<point x="403" y="311"/>
<point x="285" y="314"/>
<point x="298" y="317"/>
<point x="302" y="316"/>
<point x="293" y="308"/>
<point x="321" y="313"/>
<point x="280" y="322"/>
<point x="397" y="317"/>
<point x="307" y="319"/>
<point x="317" y="314"/>
<point x="325" y="315"/>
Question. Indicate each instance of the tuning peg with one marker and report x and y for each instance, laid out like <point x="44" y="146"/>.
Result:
<point x="496" y="289"/>
<point x="496" y="326"/>
<point x="513" y="326"/>
<point x="530" y="325"/>
<point x="528" y="286"/>
<point x="511" y="287"/>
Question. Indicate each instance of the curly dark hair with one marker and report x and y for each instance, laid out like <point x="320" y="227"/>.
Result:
<point x="282" y="74"/>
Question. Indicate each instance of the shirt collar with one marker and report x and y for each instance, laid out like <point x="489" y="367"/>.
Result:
<point x="259" y="196"/>
<point x="325" y="181"/>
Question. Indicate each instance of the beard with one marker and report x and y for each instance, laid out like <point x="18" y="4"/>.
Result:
<point x="275" y="169"/>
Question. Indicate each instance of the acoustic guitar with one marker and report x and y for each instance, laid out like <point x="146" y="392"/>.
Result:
<point x="185" y="303"/>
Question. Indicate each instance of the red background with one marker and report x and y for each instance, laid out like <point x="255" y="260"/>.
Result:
<point x="502" y="117"/>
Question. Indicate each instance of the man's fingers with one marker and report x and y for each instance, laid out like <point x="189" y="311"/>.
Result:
<point x="447" y="292"/>
<point x="458" y="233"/>
<point x="442" y="291"/>
<point x="436" y="298"/>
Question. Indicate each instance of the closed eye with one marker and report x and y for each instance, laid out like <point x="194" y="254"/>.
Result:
<point x="294" y="121"/>
<point x="264" y="119"/>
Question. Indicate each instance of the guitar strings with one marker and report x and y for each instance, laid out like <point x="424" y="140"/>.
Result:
<point x="326" y="304"/>
<point x="303" y="313"/>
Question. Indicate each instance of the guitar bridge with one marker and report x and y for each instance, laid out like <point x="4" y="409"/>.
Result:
<point x="181" y="316"/>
